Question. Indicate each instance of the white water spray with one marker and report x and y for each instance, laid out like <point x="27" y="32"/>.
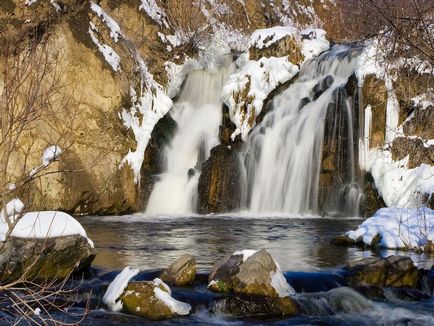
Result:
<point x="198" y="113"/>
<point x="283" y="154"/>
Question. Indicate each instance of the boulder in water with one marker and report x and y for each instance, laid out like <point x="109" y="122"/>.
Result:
<point x="220" y="278"/>
<point x="46" y="259"/>
<point x="181" y="272"/>
<point x="152" y="300"/>
<point x="256" y="306"/>
<point x="393" y="271"/>
<point x="260" y="276"/>
<point x="249" y="273"/>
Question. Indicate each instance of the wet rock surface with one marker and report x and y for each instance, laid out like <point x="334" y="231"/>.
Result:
<point x="393" y="271"/>
<point x="181" y="272"/>
<point x="139" y="299"/>
<point x="44" y="260"/>
<point x="219" y="183"/>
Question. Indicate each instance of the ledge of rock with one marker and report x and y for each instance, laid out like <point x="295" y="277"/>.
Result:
<point x="45" y="259"/>
<point x="181" y="272"/>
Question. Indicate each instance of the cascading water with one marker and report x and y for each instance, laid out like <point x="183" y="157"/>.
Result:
<point x="283" y="154"/>
<point x="198" y="113"/>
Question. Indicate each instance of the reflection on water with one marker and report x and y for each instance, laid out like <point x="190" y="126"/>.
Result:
<point x="298" y="244"/>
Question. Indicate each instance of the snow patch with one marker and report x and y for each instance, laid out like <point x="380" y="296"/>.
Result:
<point x="263" y="38"/>
<point x="154" y="12"/>
<point x="117" y="287"/>
<point x="398" y="227"/>
<point x="246" y="253"/>
<point x="314" y="43"/>
<point x="177" y="307"/>
<point x="39" y="225"/>
<point x="12" y="209"/>
<point x="398" y="185"/>
<point x="260" y="77"/>
<point x="110" y="56"/>
<point x="51" y="154"/>
<point x="115" y="30"/>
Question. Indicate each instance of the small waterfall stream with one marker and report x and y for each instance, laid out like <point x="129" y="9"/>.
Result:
<point x="283" y="154"/>
<point x="198" y="113"/>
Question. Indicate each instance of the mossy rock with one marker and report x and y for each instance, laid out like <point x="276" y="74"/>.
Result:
<point x="139" y="299"/>
<point x="223" y="272"/>
<point x="44" y="260"/>
<point x="256" y="306"/>
<point x="393" y="271"/>
<point x="181" y="272"/>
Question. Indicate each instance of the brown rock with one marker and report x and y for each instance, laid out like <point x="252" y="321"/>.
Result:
<point x="414" y="147"/>
<point x="219" y="182"/>
<point x="393" y="271"/>
<point x="181" y="272"/>
<point x="421" y="124"/>
<point x="44" y="259"/>
<point x="221" y="276"/>
<point x="256" y="306"/>
<point x="254" y="276"/>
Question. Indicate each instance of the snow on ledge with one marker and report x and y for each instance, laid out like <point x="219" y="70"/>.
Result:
<point x="263" y="38"/>
<point x="115" y="30"/>
<point x="117" y="287"/>
<point x="256" y="79"/>
<point x="398" y="227"/>
<point x="398" y="185"/>
<point x="177" y="307"/>
<point x="314" y="43"/>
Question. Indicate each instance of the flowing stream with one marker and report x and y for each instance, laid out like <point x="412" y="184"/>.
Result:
<point x="198" y="113"/>
<point x="282" y="157"/>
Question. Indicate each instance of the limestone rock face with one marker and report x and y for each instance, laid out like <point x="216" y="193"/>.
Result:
<point x="415" y="148"/>
<point x="44" y="259"/>
<point x="374" y="93"/>
<point x="394" y="271"/>
<point x="421" y="124"/>
<point x="181" y="272"/>
<point x="219" y="183"/>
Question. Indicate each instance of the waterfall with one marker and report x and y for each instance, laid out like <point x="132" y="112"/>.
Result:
<point x="283" y="155"/>
<point x="198" y="113"/>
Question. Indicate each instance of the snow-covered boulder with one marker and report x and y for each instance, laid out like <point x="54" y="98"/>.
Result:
<point x="47" y="245"/>
<point x="149" y="299"/>
<point x="256" y="279"/>
<point x="181" y="272"/>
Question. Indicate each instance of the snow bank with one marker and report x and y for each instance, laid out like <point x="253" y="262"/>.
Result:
<point x="50" y="154"/>
<point x="246" y="90"/>
<point x="117" y="287"/>
<point x="314" y="43"/>
<point x="177" y="307"/>
<point x="398" y="227"/>
<point x="263" y="38"/>
<point x="398" y="185"/>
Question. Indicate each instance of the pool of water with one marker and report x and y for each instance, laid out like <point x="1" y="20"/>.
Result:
<point x="298" y="244"/>
<point x="302" y="247"/>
